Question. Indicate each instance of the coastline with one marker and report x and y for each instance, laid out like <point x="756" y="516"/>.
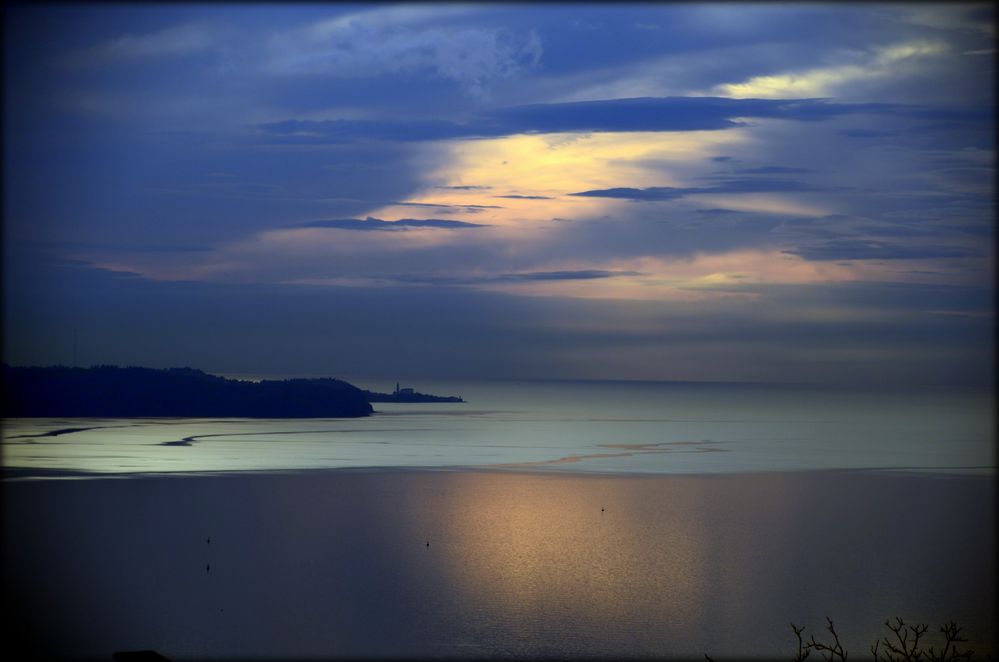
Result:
<point x="19" y="474"/>
<point x="334" y="563"/>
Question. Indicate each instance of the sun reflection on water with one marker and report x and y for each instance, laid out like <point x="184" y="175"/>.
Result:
<point x="580" y="553"/>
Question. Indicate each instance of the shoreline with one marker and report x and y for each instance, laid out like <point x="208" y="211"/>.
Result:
<point x="28" y="473"/>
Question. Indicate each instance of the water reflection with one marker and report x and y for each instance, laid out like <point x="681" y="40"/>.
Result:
<point x="535" y="549"/>
<point x="336" y="564"/>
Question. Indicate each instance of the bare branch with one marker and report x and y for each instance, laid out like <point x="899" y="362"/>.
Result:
<point x="835" y="650"/>
<point x="952" y="636"/>
<point x="803" y="649"/>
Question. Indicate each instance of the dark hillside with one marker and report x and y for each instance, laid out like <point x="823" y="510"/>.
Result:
<point x="109" y="391"/>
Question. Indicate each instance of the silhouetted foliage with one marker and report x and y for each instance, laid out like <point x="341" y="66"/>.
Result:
<point x="109" y="391"/>
<point x="903" y="645"/>
<point x="830" y="651"/>
<point x="410" y="397"/>
<point x="804" y="650"/>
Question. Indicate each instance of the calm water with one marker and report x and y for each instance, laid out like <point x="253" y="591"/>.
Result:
<point x="587" y="519"/>
<point x="328" y="565"/>
<point x="548" y="426"/>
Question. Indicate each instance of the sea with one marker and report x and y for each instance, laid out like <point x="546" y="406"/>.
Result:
<point x="549" y="426"/>
<point x="538" y="519"/>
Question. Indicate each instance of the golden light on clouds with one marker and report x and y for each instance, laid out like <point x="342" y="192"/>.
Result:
<point x="822" y="81"/>
<point x="765" y="203"/>
<point x="548" y="167"/>
<point x="698" y="278"/>
<point x="518" y="189"/>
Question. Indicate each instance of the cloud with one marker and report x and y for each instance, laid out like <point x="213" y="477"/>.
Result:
<point x="786" y="333"/>
<point x="174" y="41"/>
<point x="773" y="170"/>
<point x="758" y="185"/>
<point x="465" y="188"/>
<point x="958" y="17"/>
<point x="883" y="62"/>
<point x="613" y="115"/>
<point x="446" y="205"/>
<point x="377" y="224"/>
<point x="869" y="249"/>
<point x="867" y="133"/>
<point x="650" y="193"/>
<point x="514" y="277"/>
<point x="729" y="185"/>
<point x="405" y="40"/>
<point x="719" y="211"/>
<point x="387" y="103"/>
<point x="342" y="131"/>
<point x="587" y="274"/>
<point x="667" y="113"/>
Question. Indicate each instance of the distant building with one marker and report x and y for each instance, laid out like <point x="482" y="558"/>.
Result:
<point x="403" y="391"/>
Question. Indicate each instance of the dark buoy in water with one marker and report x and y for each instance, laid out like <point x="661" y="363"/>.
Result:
<point x="208" y="568"/>
<point x="208" y="542"/>
<point x="428" y="543"/>
<point x="601" y="509"/>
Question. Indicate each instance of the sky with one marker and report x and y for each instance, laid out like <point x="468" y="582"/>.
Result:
<point x="776" y="192"/>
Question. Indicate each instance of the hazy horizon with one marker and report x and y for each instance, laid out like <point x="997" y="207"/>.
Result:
<point x="428" y="384"/>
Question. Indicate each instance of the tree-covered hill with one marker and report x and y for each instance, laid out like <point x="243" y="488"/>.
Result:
<point x="110" y="391"/>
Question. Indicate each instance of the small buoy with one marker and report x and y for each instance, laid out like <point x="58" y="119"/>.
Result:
<point x="209" y="541"/>
<point x="601" y="509"/>
<point x="208" y="568"/>
<point x="428" y="543"/>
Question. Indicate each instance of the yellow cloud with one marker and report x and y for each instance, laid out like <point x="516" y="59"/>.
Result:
<point x="550" y="166"/>
<point x="699" y="278"/>
<point x="822" y="81"/>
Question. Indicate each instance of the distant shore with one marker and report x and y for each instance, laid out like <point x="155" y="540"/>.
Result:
<point x="131" y="392"/>
<point x="404" y="563"/>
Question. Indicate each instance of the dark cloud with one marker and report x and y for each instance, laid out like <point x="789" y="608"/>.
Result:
<point x="520" y="277"/>
<point x="308" y="132"/>
<point x="888" y="297"/>
<point x="641" y="114"/>
<point x="868" y="249"/>
<point x="867" y="133"/>
<point x="524" y="197"/>
<point x="377" y="224"/>
<point x="669" y="113"/>
<point x="444" y="205"/>
<point x="758" y="185"/>
<point x="586" y="274"/>
<point x="773" y="170"/>
<point x="728" y="185"/>
<point x="845" y="237"/>
<point x="465" y="188"/>
<point x="650" y="193"/>
<point x="718" y="211"/>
